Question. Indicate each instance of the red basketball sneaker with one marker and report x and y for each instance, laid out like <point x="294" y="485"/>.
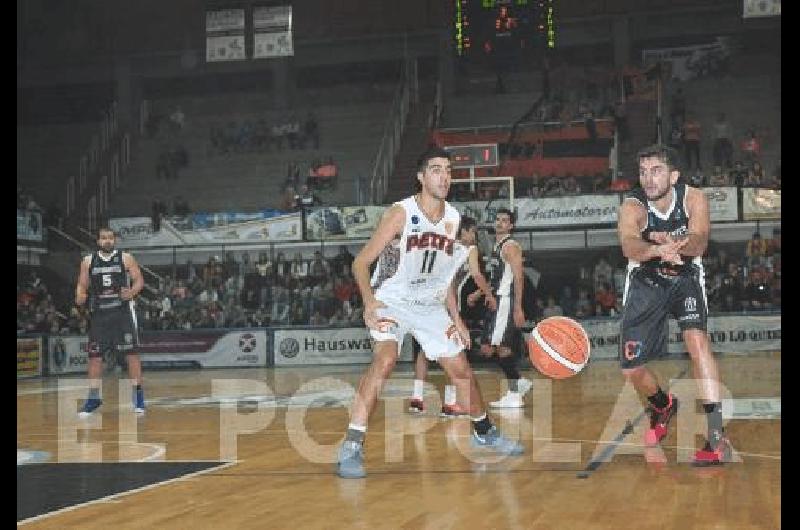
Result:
<point x="659" y="419"/>
<point x="453" y="411"/>
<point x="416" y="406"/>
<point x="717" y="450"/>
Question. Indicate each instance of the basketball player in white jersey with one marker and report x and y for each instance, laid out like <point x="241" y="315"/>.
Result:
<point x="411" y="292"/>
<point x="471" y="269"/>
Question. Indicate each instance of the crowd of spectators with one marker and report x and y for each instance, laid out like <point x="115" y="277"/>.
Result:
<point x="261" y="292"/>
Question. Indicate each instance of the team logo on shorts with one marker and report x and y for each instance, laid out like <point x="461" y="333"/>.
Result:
<point x="690" y="304"/>
<point x="632" y="350"/>
<point x="453" y="334"/>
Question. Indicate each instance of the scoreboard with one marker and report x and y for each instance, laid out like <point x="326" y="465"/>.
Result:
<point x="502" y="27"/>
<point x="473" y="155"/>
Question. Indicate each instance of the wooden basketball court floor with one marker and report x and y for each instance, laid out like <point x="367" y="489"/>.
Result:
<point x="422" y="473"/>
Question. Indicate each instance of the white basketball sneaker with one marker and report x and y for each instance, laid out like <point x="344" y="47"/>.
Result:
<point x="511" y="400"/>
<point x="524" y="386"/>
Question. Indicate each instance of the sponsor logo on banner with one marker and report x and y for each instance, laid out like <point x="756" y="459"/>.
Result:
<point x="204" y="348"/>
<point x="722" y="203"/>
<point x="68" y="354"/>
<point x="561" y="211"/>
<point x="730" y="334"/>
<point x="29" y="225"/>
<point x="29" y="357"/>
<point x="327" y="346"/>
<point x="222" y="227"/>
<point x="761" y="204"/>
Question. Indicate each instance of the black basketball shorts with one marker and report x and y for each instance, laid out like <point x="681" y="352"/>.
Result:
<point x="113" y="329"/>
<point x="649" y="300"/>
<point x="500" y="329"/>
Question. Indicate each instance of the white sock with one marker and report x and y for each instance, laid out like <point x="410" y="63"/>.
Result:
<point x="353" y="426"/>
<point x="418" y="388"/>
<point x="449" y="395"/>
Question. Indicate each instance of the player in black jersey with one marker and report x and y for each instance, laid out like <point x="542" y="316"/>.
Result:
<point x="663" y="230"/>
<point x="502" y="337"/>
<point x="109" y="280"/>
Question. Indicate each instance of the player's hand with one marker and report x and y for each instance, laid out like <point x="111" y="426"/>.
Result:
<point x="473" y="297"/>
<point x="371" y="313"/>
<point x="670" y="250"/>
<point x="519" y="317"/>
<point x="80" y="299"/>
<point x="463" y="332"/>
<point x="491" y="302"/>
<point x="125" y="293"/>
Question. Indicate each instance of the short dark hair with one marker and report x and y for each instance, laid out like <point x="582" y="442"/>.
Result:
<point x="105" y="228"/>
<point x="662" y="151"/>
<point x="433" y="151"/>
<point x="467" y="223"/>
<point x="509" y="213"/>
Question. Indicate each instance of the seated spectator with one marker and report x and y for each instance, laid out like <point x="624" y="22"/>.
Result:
<point x="317" y="319"/>
<point x="299" y="267"/>
<point x="738" y="175"/>
<point x="305" y="199"/>
<point x="552" y="309"/>
<point x="606" y="300"/>
<point x="756" y="250"/>
<point x="751" y="146"/>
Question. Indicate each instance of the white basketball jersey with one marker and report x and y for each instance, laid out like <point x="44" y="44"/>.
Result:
<point x="417" y="268"/>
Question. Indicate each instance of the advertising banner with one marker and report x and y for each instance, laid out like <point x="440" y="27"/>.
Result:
<point x="722" y="203"/>
<point x="222" y="227"/>
<point x="29" y="357"/>
<point x="566" y="211"/>
<point x="327" y="346"/>
<point x="67" y="354"/>
<point x="689" y="62"/>
<point x="729" y="334"/>
<point x="29" y="225"/>
<point x="203" y="348"/>
<point x="761" y="204"/>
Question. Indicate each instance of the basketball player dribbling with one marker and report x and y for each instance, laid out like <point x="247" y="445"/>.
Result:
<point x="663" y="230"/>
<point x="411" y="292"/>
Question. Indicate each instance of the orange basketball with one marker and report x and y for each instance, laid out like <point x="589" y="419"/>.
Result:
<point x="559" y="347"/>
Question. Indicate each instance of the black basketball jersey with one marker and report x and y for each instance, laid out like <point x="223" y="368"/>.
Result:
<point x="674" y="222"/>
<point x="106" y="278"/>
<point x="501" y="277"/>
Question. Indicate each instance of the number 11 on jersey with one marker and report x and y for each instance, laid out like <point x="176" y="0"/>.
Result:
<point x="428" y="264"/>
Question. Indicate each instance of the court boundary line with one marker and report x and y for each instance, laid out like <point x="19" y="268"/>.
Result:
<point x="128" y="492"/>
<point x="595" y="463"/>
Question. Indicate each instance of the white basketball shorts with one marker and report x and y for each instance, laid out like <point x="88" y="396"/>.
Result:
<point x="433" y="329"/>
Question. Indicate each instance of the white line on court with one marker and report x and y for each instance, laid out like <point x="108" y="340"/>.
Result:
<point x="128" y="492"/>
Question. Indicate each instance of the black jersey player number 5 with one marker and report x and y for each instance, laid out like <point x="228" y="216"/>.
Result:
<point x="427" y="261"/>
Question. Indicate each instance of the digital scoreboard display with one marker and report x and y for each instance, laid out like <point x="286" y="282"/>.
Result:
<point x="475" y="155"/>
<point x="486" y="27"/>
